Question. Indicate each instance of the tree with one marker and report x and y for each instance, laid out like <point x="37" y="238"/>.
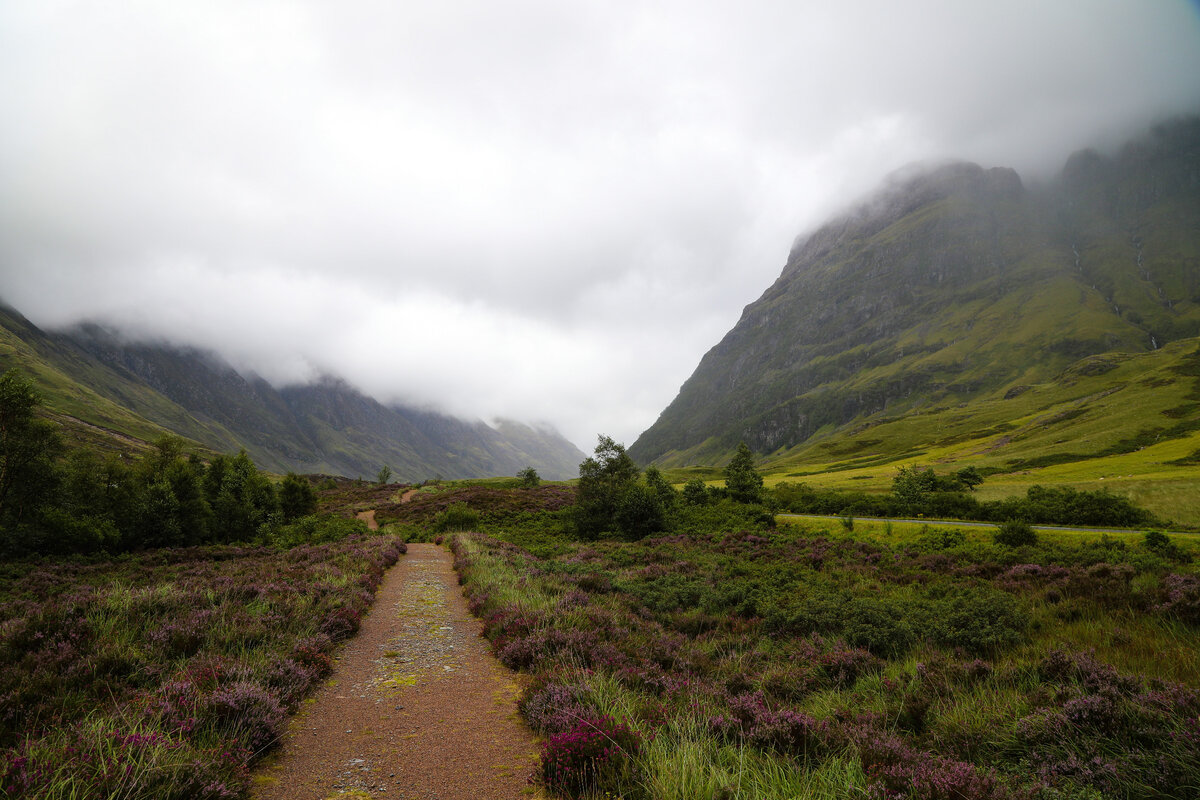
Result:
<point x="603" y="480"/>
<point x="28" y="448"/>
<point x="297" y="498"/>
<point x="385" y="475"/>
<point x="741" y="479"/>
<point x="529" y="477"/>
<point x="664" y="491"/>
<point x="242" y="498"/>
<point x="640" y="511"/>
<point x="1015" y="533"/>
<point x="170" y="508"/>
<point x="913" y="483"/>
<point x="969" y="477"/>
<point x="695" y="492"/>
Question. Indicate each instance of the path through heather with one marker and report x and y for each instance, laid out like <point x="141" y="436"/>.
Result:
<point x="417" y="707"/>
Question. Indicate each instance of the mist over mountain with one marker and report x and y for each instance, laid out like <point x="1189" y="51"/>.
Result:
<point x="93" y="376"/>
<point x="952" y="283"/>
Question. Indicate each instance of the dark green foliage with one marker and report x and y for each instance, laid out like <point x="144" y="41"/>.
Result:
<point x="920" y="492"/>
<point x="384" y="475"/>
<point x="741" y="478"/>
<point x="1015" y="533"/>
<point x="316" y="529"/>
<point x="640" y="511"/>
<point x="604" y="478"/>
<point x="883" y="626"/>
<point x="695" y="492"/>
<point x="457" y="517"/>
<point x="28" y="447"/>
<point x="969" y="477"/>
<point x="83" y="503"/>
<point x="173" y="509"/>
<point x="529" y="477"/>
<point x="1070" y="506"/>
<point x="243" y="501"/>
<point x="1158" y="542"/>
<point x="981" y="621"/>
<point x="657" y="484"/>
<point x="940" y="538"/>
<point x="297" y="497"/>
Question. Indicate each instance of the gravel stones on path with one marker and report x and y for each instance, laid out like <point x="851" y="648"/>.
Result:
<point x="417" y="707"/>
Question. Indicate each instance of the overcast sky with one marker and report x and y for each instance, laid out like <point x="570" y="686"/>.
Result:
<point x="540" y="209"/>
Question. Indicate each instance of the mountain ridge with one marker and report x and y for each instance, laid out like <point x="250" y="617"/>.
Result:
<point x="327" y="426"/>
<point x="947" y="286"/>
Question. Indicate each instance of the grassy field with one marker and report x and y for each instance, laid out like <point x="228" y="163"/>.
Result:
<point x="1128" y="423"/>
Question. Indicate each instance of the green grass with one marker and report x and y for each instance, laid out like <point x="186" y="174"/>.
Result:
<point x="1144" y="405"/>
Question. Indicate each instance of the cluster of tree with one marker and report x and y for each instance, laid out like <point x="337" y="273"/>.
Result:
<point x="918" y="491"/>
<point x="613" y="495"/>
<point x="52" y="501"/>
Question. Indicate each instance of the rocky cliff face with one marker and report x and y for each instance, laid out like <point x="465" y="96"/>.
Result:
<point x="951" y="283"/>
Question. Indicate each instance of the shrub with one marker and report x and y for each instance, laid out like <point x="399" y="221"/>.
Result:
<point x="940" y="538"/>
<point x="248" y="713"/>
<point x="457" y="517"/>
<point x="595" y="753"/>
<point x="880" y="626"/>
<point x="980" y="621"/>
<point x="1015" y="533"/>
<point x="695" y="492"/>
<point x="640" y="512"/>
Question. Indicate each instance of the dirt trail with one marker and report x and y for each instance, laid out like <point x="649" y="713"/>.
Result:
<point x="369" y="518"/>
<point x="417" y="706"/>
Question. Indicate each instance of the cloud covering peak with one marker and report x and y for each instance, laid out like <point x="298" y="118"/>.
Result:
<point x="536" y="210"/>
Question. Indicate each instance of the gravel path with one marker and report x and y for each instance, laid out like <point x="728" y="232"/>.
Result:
<point x="417" y="707"/>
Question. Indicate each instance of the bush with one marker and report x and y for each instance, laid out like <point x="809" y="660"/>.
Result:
<point x="980" y="621"/>
<point x="1015" y="533"/>
<point x="594" y="753"/>
<point x="695" y="492"/>
<point x="640" y="512"/>
<point x="458" y="517"/>
<point x="315" y="529"/>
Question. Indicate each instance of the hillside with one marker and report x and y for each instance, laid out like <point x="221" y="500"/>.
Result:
<point x="952" y="287"/>
<point x="95" y="381"/>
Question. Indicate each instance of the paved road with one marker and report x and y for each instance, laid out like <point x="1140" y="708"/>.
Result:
<point x="962" y="524"/>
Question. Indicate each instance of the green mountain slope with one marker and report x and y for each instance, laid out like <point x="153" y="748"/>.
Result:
<point x="92" y="379"/>
<point x="952" y="286"/>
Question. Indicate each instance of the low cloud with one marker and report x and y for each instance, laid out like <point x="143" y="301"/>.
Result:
<point x="537" y="210"/>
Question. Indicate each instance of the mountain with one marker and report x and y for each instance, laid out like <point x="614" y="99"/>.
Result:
<point x="99" y="385"/>
<point x="952" y="285"/>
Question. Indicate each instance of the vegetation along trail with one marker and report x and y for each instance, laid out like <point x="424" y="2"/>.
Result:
<point x="417" y="706"/>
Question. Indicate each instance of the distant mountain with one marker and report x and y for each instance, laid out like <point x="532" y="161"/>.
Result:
<point x="952" y="285"/>
<point x="92" y="377"/>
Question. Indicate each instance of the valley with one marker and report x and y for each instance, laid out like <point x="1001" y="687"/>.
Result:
<point x="770" y="594"/>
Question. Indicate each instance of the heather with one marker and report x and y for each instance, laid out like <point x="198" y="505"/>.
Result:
<point x="165" y="673"/>
<point x="728" y="658"/>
